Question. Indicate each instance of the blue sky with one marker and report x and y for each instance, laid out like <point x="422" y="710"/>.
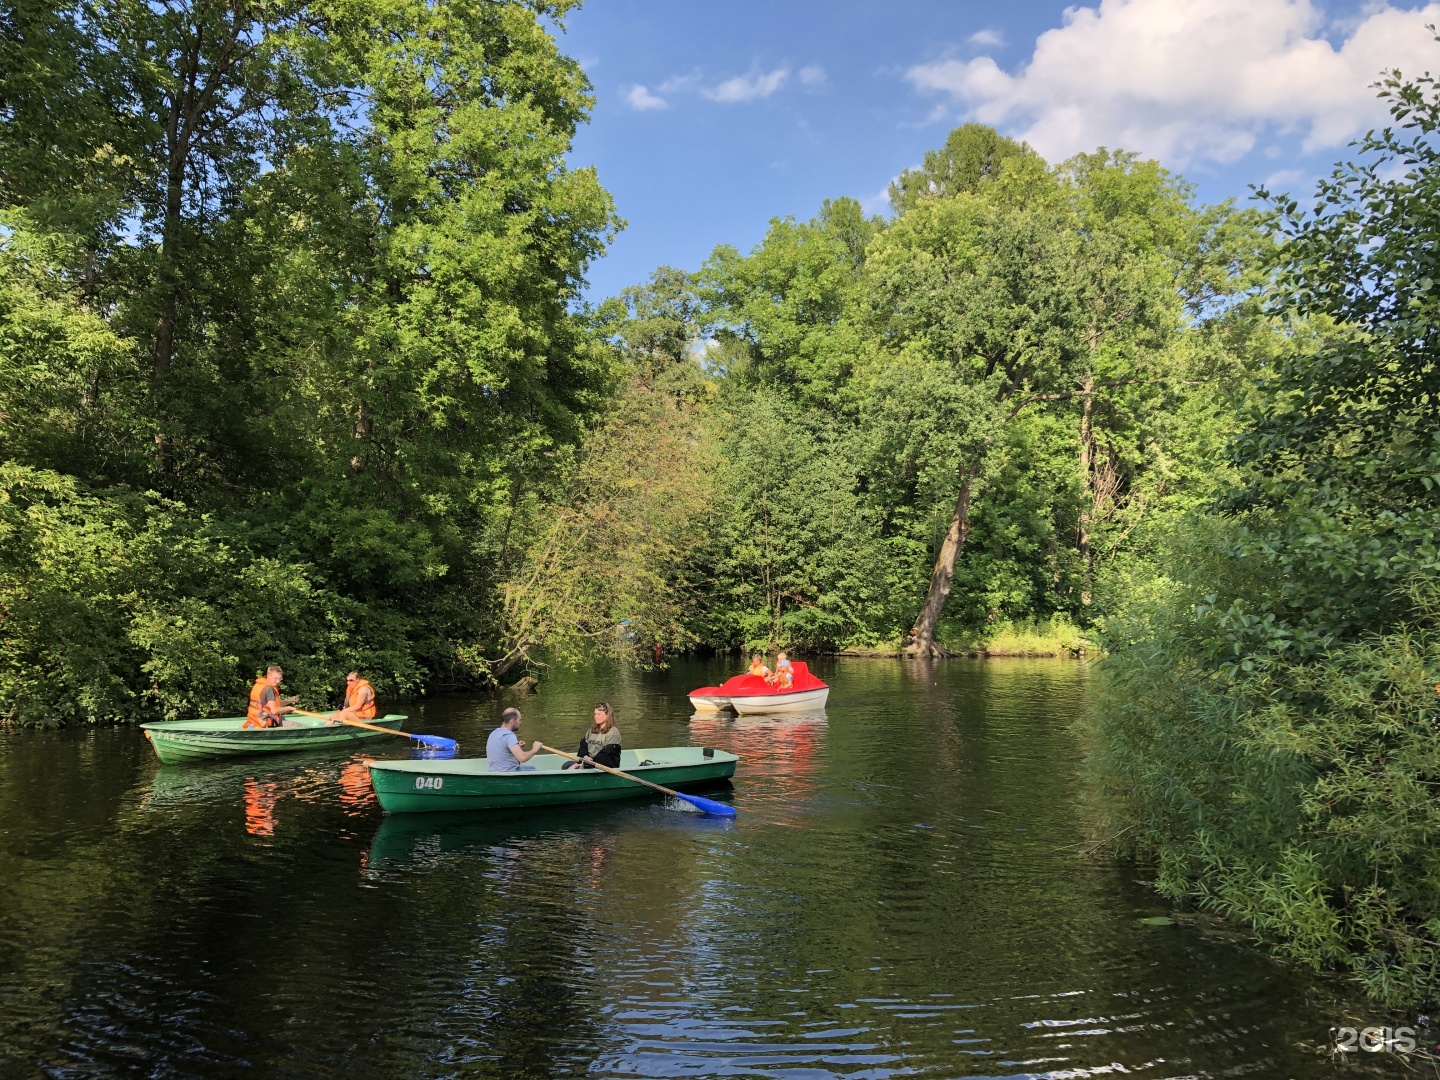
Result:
<point x="713" y="118"/>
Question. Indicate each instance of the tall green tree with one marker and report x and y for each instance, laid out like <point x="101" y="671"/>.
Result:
<point x="322" y="283"/>
<point x="1047" y="289"/>
<point x="790" y="307"/>
<point x="794" y="558"/>
<point x="972" y="154"/>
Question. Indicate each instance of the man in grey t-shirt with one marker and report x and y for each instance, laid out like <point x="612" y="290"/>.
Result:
<point x="503" y="747"/>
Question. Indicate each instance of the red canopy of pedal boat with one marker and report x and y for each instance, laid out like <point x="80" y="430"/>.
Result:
<point x="755" y="685"/>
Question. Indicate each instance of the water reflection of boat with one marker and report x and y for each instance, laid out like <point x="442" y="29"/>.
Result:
<point x="173" y="787"/>
<point x="312" y="778"/>
<point x="421" y="839"/>
<point x="782" y="754"/>
<point x="781" y="722"/>
<point x="711" y="727"/>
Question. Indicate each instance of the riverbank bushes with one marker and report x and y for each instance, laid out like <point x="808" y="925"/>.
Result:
<point x="127" y="605"/>
<point x="1269" y="725"/>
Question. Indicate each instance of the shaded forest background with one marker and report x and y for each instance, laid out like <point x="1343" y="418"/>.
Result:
<point x="295" y="366"/>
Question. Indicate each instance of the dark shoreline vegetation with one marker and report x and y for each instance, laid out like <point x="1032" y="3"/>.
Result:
<point x="294" y="366"/>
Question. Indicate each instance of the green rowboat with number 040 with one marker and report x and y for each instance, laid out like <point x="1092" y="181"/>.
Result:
<point x="468" y="783"/>
<point x="201" y="740"/>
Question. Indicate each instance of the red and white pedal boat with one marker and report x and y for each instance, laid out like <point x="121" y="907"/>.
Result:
<point x="750" y="694"/>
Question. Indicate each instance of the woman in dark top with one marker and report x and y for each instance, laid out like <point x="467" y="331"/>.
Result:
<point x="602" y="742"/>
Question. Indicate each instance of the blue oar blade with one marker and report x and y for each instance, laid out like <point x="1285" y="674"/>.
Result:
<point x="438" y="741"/>
<point x="708" y="806"/>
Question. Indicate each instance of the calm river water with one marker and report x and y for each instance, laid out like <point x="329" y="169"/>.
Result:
<point x="899" y="896"/>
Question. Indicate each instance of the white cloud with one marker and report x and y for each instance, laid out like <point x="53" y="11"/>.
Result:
<point x="641" y="99"/>
<point x="676" y="83"/>
<point x="877" y="203"/>
<point x="748" y="87"/>
<point x="1187" y="80"/>
<point x="1284" y="180"/>
<point x="989" y="38"/>
<point x="812" y="75"/>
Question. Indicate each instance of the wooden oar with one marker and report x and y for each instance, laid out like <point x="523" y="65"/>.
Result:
<point x="437" y="741"/>
<point x="709" y="806"/>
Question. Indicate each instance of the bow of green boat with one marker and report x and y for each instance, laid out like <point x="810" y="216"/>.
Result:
<point x="425" y="784"/>
<point x="202" y="740"/>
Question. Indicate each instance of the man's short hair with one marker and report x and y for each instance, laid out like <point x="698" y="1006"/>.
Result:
<point x="509" y="714"/>
<point x="273" y="668"/>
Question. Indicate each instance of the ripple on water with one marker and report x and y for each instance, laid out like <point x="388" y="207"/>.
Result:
<point x="899" y="896"/>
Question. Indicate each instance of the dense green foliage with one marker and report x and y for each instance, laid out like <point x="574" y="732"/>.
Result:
<point x="288" y="332"/>
<point x="312" y="334"/>
<point x="1271" y="727"/>
<point x="1054" y="350"/>
<point x="294" y="367"/>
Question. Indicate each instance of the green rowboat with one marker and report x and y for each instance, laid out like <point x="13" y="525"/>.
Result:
<point x="468" y="783"/>
<point x="200" y="740"/>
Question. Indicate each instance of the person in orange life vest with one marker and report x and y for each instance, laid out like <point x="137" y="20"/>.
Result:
<point x="757" y="667"/>
<point x="267" y="708"/>
<point x="784" y="676"/>
<point x="359" y="699"/>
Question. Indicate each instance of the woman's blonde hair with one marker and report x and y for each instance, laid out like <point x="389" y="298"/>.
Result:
<point x="604" y="707"/>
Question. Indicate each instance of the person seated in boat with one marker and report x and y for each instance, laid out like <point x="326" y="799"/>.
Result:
<point x="601" y="744"/>
<point x="267" y="708"/>
<point x="359" y="699"/>
<point x="503" y="748"/>
<point x="757" y="667"/>
<point x="784" y="676"/>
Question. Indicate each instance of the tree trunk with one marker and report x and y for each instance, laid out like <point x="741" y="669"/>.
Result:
<point x="361" y="433"/>
<point x="921" y="639"/>
<point x="169" y="271"/>
<point x="505" y="663"/>
<point x="176" y="155"/>
<point x="1087" y="483"/>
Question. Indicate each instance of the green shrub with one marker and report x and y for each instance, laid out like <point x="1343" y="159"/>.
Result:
<point x="127" y="606"/>
<point x="1296" y="797"/>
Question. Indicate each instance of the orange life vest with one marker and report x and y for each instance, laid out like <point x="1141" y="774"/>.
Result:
<point x="253" y="716"/>
<point x="365" y="710"/>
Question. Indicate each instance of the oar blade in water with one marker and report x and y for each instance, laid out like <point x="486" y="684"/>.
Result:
<point x="437" y="741"/>
<point x="708" y="806"/>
